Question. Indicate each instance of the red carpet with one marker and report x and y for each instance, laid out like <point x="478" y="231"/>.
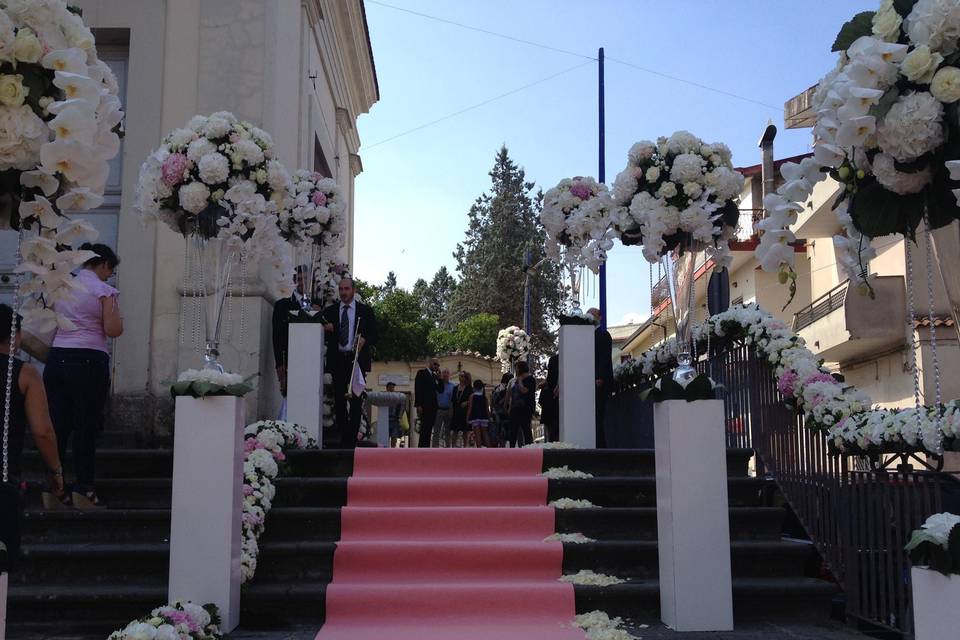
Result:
<point x="447" y="544"/>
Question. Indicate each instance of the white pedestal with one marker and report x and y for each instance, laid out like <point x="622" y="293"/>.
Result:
<point x="383" y="400"/>
<point x="578" y="387"/>
<point x="305" y="378"/>
<point x="3" y="606"/>
<point x="693" y="517"/>
<point x="936" y="599"/>
<point x="207" y="503"/>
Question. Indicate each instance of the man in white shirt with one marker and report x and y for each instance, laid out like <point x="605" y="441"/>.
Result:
<point x="351" y="332"/>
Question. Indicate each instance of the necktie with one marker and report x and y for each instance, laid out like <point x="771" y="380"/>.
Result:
<point x="344" y="327"/>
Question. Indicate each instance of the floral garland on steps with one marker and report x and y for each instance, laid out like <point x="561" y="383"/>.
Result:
<point x="175" y="621"/>
<point x="829" y="406"/>
<point x="263" y="446"/>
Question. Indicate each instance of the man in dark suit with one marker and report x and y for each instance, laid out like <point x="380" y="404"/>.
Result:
<point x="426" y="386"/>
<point x="603" y="363"/>
<point x="282" y="318"/>
<point x="351" y="328"/>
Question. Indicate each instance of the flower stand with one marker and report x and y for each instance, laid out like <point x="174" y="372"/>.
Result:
<point x="693" y="521"/>
<point x="578" y="387"/>
<point x="383" y="400"/>
<point x="935" y="604"/>
<point x="207" y="504"/>
<point x="305" y="378"/>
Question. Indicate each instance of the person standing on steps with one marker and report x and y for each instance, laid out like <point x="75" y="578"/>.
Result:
<point x="500" y="424"/>
<point x="520" y="403"/>
<point x="351" y="333"/>
<point x="603" y="363"/>
<point x="28" y="407"/>
<point x="441" y="428"/>
<point x="77" y="372"/>
<point x="282" y="317"/>
<point x="461" y="399"/>
<point x="426" y="386"/>
<point x="550" y="400"/>
<point x="478" y="414"/>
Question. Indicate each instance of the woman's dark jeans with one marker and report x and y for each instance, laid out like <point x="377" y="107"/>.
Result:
<point x="78" y="383"/>
<point x="518" y="425"/>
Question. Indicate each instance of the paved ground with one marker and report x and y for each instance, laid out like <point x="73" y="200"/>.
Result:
<point x="652" y="632"/>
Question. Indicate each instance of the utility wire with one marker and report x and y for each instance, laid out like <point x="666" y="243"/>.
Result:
<point x="692" y="83"/>
<point x="579" y="55"/>
<point x="477" y="105"/>
<point x="479" y="30"/>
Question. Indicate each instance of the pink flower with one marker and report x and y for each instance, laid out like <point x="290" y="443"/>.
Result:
<point x="278" y="456"/>
<point x="247" y="490"/>
<point x="581" y="191"/>
<point x="319" y="198"/>
<point x="317" y="176"/>
<point x="173" y="168"/>
<point x="821" y="377"/>
<point x="250" y="445"/>
<point x="182" y="617"/>
<point x="786" y="382"/>
<point x="638" y="173"/>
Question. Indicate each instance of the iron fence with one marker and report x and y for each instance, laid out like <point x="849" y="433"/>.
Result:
<point x="858" y="516"/>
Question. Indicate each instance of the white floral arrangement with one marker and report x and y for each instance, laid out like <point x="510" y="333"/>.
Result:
<point x="313" y="212"/>
<point x="571" y="503"/>
<point x="513" y="345"/>
<point x="328" y="281"/>
<point x="577" y="217"/>
<point x="598" y="625"/>
<point x="591" y="578"/>
<point x="936" y="544"/>
<point x="198" y="383"/>
<point x="559" y="473"/>
<point x="60" y="116"/>
<point x="175" y="621"/>
<point x="840" y="411"/>
<point x="575" y="538"/>
<point x="198" y="170"/>
<point x="217" y="178"/>
<point x="884" y="130"/>
<point x="263" y="447"/>
<point x="678" y="192"/>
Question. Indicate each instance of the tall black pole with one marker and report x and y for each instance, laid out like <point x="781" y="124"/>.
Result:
<point x="601" y="177"/>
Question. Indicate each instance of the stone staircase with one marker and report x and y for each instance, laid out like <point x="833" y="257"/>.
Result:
<point x="93" y="571"/>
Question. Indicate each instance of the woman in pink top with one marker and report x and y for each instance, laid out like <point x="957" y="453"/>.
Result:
<point x="77" y="373"/>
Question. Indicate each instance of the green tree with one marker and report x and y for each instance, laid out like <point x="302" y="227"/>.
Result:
<point x="403" y="329"/>
<point x="503" y="225"/>
<point x="434" y="297"/>
<point x="476" y="333"/>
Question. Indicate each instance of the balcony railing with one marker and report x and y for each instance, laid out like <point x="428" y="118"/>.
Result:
<point x="821" y="307"/>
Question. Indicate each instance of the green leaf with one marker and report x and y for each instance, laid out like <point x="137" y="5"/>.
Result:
<point x="860" y="25"/>
<point x="670" y="389"/>
<point x="953" y="546"/>
<point x="886" y="101"/>
<point x="877" y="211"/>
<point x="942" y="206"/>
<point x="700" y="388"/>
<point x="202" y="388"/>
<point x="180" y="388"/>
<point x="649" y="393"/>
<point x="238" y="390"/>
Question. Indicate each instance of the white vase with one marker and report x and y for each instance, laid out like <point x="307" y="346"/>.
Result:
<point x="936" y="604"/>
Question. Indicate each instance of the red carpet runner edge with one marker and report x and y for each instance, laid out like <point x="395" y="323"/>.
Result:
<point x="448" y="544"/>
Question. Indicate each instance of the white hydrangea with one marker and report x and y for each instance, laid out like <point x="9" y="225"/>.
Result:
<point x="912" y="127"/>
<point x="934" y="23"/>
<point x="687" y="167"/>
<point x="214" y="168"/>
<point x="194" y="197"/>
<point x="901" y="182"/>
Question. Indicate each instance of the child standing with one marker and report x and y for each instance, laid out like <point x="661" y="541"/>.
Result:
<point x="478" y="414"/>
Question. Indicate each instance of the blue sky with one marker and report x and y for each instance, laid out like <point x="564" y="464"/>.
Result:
<point x="414" y="193"/>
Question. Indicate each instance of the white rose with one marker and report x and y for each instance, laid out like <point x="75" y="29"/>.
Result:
<point x="920" y="64"/>
<point x="213" y="168"/>
<point x="652" y="174"/>
<point x="693" y="189"/>
<point x="12" y="91"/>
<point x="7" y="37"/>
<point x="667" y="190"/>
<point x="22" y="134"/>
<point x="945" y="85"/>
<point x="194" y="197"/>
<point x="78" y="35"/>
<point x="886" y="22"/>
<point x="140" y="631"/>
<point x="27" y="47"/>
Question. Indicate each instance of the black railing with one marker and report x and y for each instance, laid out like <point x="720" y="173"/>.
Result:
<point x="858" y="518"/>
<point x="821" y="307"/>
